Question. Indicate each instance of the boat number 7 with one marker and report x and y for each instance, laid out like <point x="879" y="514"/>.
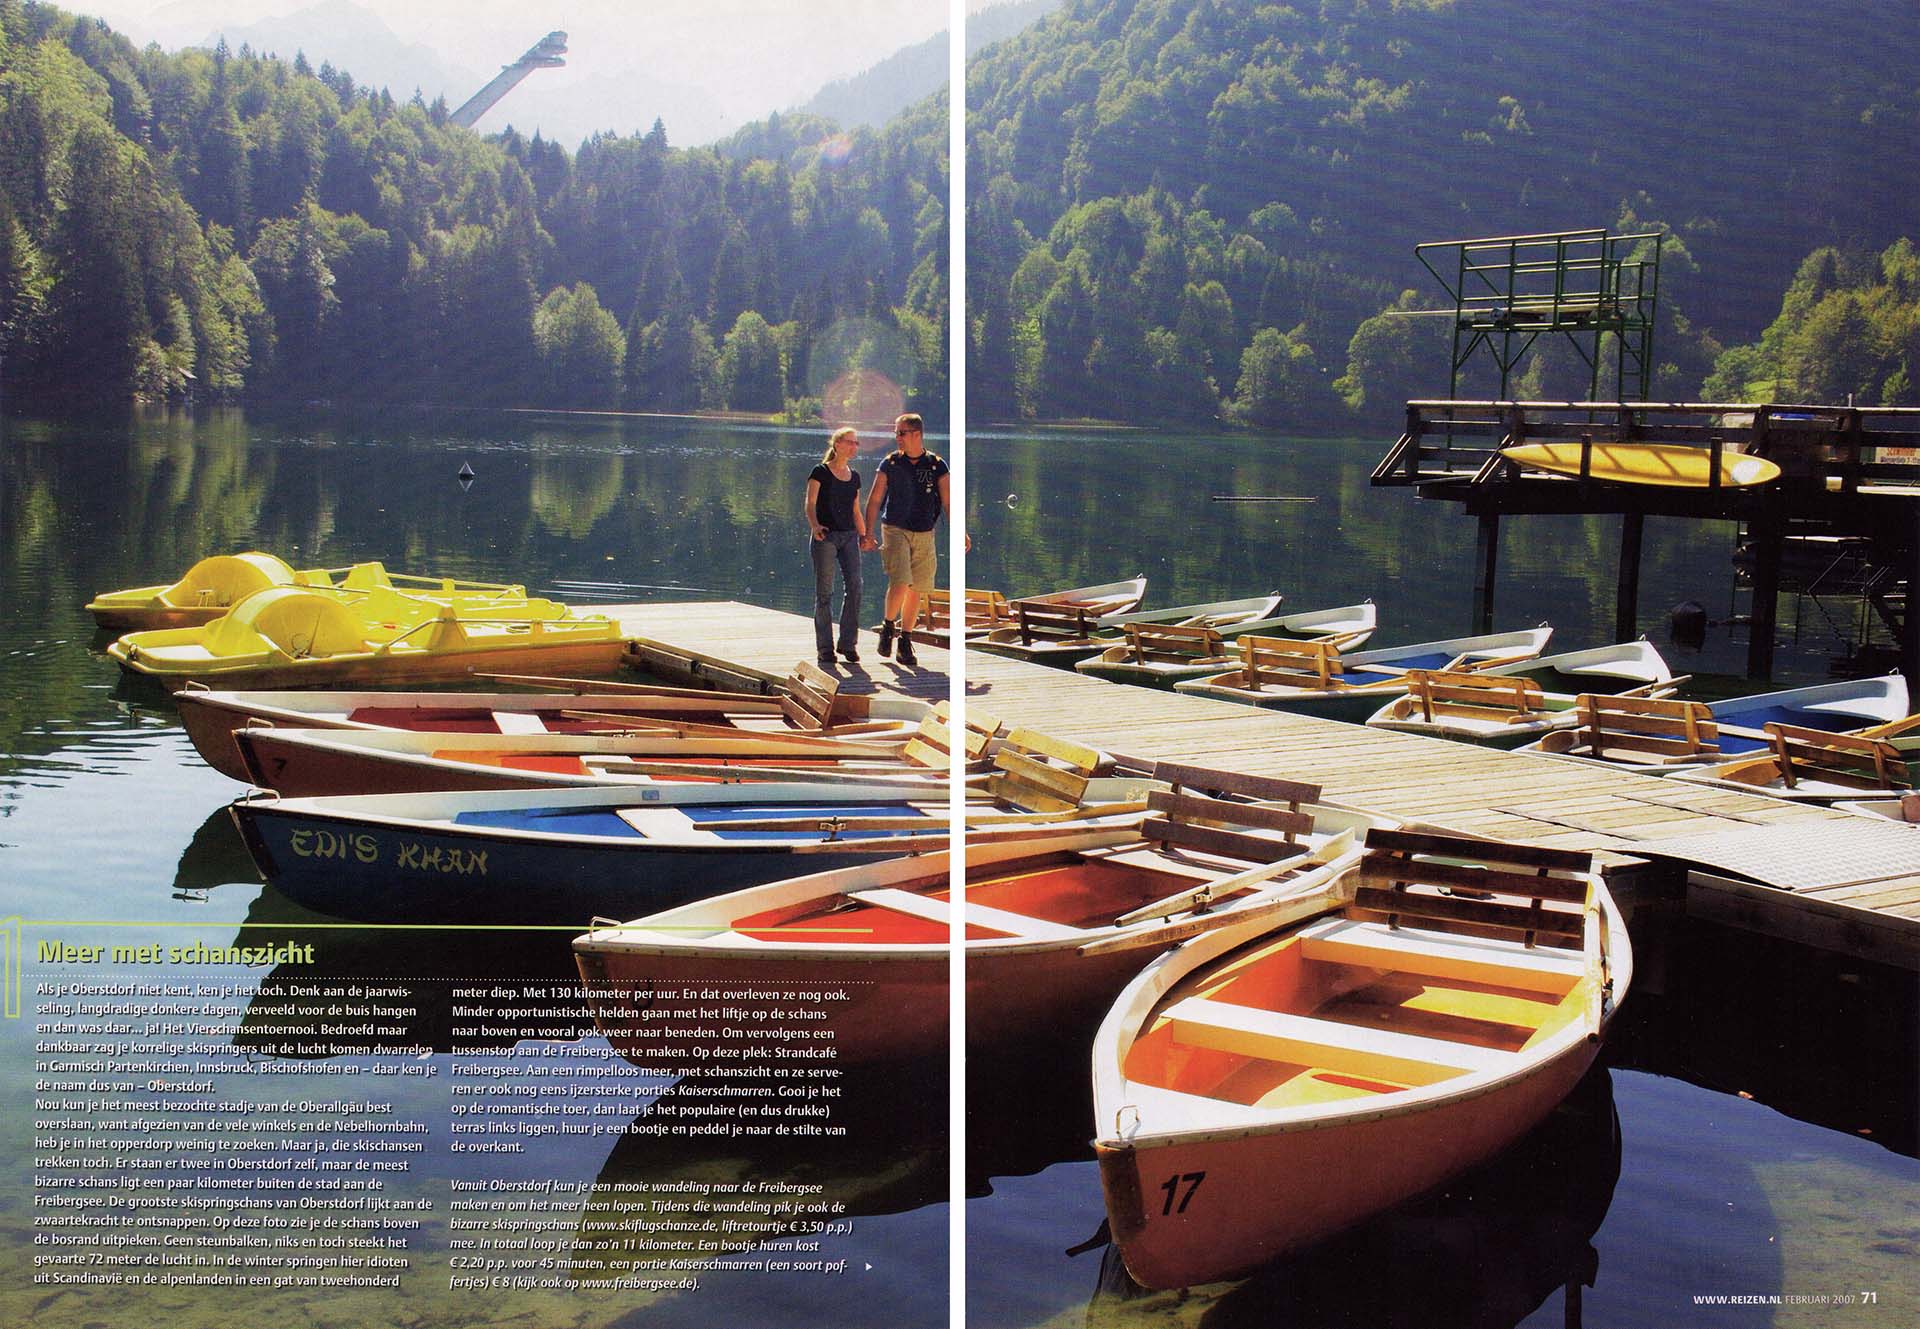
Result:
<point x="1172" y="1187"/>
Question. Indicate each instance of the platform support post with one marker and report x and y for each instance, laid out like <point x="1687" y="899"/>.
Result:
<point x="1486" y="557"/>
<point x="1768" y="536"/>
<point x="1626" y="605"/>
<point x="1910" y="610"/>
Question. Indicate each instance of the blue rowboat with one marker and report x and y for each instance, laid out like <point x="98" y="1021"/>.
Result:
<point x="565" y="855"/>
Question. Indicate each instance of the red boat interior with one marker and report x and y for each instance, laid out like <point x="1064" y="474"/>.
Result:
<point x="1067" y="891"/>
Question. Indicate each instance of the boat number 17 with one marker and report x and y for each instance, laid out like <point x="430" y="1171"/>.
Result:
<point x="1172" y="1187"/>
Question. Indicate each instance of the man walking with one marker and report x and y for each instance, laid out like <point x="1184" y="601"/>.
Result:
<point x="912" y="486"/>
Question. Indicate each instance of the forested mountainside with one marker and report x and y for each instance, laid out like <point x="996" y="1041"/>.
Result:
<point x="210" y="224"/>
<point x="1189" y="207"/>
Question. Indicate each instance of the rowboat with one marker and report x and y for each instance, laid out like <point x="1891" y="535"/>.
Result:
<point x="1262" y="1087"/>
<point x="214" y="585"/>
<point x="1065" y="634"/>
<point x="809" y="701"/>
<point x="1314" y="678"/>
<point x="1667" y="465"/>
<point x="1508" y="705"/>
<point x="1669" y="734"/>
<point x="1054" y="927"/>
<point x="313" y="763"/>
<point x="1160" y="655"/>
<point x="984" y="611"/>
<point x="304" y="636"/>
<point x="1805" y="765"/>
<point x="559" y="854"/>
<point x="1905" y="808"/>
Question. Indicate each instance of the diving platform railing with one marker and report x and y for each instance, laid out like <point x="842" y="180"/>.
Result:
<point x="1508" y="291"/>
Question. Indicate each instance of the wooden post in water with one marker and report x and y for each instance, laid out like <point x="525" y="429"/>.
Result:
<point x="1767" y="535"/>
<point x="1910" y="610"/>
<point x="1486" y="556"/>
<point x="1626" y="605"/>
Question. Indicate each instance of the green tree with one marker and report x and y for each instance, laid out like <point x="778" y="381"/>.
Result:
<point x="581" y="350"/>
<point x="750" y="372"/>
<point x="1279" y="382"/>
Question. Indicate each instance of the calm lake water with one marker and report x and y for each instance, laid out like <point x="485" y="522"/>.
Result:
<point x="1754" y="1134"/>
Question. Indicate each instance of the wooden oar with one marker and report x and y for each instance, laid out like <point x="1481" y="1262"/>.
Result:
<point x="881" y="822"/>
<point x="582" y="685"/>
<point x="1325" y="888"/>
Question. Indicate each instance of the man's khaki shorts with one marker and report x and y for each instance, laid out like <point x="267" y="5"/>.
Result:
<point x="908" y="557"/>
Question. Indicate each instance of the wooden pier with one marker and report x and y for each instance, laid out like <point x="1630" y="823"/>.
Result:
<point x="1832" y="880"/>
<point x="1847" y="472"/>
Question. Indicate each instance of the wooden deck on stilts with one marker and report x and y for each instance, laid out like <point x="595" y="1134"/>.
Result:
<point x="1828" y="878"/>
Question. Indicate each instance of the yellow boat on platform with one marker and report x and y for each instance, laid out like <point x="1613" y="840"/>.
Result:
<point x="296" y="636"/>
<point x="1672" y="465"/>
<point x="216" y="584"/>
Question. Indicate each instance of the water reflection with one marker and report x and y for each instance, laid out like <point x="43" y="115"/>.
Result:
<point x="1096" y="506"/>
<point x="1485" y="1251"/>
<point x="433" y="965"/>
<point x="1826" y="1039"/>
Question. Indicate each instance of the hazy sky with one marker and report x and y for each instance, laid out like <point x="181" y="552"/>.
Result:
<point x="747" y="57"/>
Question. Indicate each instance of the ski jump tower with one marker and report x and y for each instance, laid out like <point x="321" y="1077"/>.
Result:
<point x="544" y="54"/>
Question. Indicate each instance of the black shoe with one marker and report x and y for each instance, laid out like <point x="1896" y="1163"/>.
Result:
<point x="826" y="660"/>
<point x="905" y="654"/>
<point x="850" y="655"/>
<point x="886" y="638"/>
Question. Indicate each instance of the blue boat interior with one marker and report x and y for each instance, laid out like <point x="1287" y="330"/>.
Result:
<point x="1426" y="660"/>
<point x="603" y="824"/>
<point x="1735" y="744"/>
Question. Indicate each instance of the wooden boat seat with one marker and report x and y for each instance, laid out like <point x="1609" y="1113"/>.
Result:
<point x="1476" y="885"/>
<point x="1855" y="761"/>
<point x="977" y="915"/>
<point x="809" y="696"/>
<point x="1476" y="696"/>
<point x="1281" y="662"/>
<point x="981" y="609"/>
<point x="1647" y="730"/>
<point x="1150" y="642"/>
<point x="519" y="722"/>
<point x="1326" y="1045"/>
<point x="1054" y="622"/>
<point x="932" y="743"/>
<point x="1441" y="955"/>
<point x="1046" y="774"/>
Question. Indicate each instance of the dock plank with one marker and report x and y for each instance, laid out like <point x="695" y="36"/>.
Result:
<point x="1792" y="854"/>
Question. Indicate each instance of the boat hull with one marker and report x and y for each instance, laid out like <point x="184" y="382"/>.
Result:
<point x="601" y="657"/>
<point x="349" y="867"/>
<point x="1263" y="1194"/>
<point x="896" y="1006"/>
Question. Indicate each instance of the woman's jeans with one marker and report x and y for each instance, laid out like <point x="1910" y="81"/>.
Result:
<point x="843" y="546"/>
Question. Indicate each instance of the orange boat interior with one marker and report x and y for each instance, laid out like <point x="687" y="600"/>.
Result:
<point x="1347" y="1009"/>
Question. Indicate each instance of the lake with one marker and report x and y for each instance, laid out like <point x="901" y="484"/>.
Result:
<point x="1734" y="1145"/>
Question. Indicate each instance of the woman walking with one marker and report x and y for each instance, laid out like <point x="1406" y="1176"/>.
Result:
<point x="838" y="526"/>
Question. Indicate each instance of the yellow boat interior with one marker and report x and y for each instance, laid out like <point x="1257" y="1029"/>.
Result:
<point x="218" y="582"/>
<point x="283" y="623"/>
<point x="1359" y="1003"/>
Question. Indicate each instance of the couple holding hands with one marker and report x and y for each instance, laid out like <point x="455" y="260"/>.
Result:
<point x="909" y="495"/>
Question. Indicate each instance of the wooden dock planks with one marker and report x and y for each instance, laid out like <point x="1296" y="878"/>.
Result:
<point x="1874" y="912"/>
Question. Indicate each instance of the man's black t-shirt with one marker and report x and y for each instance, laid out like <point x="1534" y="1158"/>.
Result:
<point x="833" y="505"/>
<point x="913" y="490"/>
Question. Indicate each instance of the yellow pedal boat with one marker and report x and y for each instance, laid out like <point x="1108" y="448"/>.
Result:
<point x="214" y="585"/>
<point x="295" y="636"/>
